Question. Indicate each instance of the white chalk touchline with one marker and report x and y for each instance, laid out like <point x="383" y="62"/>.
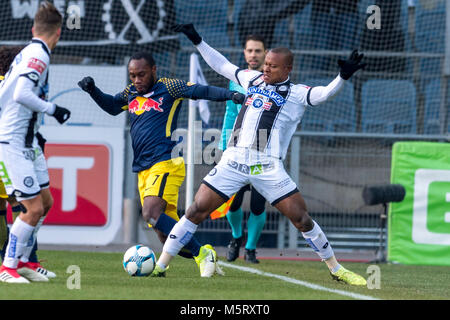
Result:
<point x="299" y="282"/>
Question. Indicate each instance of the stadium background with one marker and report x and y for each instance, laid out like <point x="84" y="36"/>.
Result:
<point x="338" y="149"/>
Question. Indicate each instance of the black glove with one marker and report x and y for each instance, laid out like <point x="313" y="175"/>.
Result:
<point x="61" y="114"/>
<point x="87" y="84"/>
<point x="41" y="141"/>
<point x="351" y="65"/>
<point x="238" y="98"/>
<point x="189" y="31"/>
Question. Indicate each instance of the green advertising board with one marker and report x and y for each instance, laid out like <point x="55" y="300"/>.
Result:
<point x="419" y="226"/>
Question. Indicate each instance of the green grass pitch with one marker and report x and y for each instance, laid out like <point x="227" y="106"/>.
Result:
<point x="103" y="278"/>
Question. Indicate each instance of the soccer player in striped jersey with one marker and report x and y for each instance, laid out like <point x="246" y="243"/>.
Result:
<point x="24" y="169"/>
<point x="153" y="105"/>
<point x="7" y="55"/>
<point x="254" y="53"/>
<point x="263" y="129"/>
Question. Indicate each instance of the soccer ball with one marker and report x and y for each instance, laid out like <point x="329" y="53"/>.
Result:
<point x="139" y="261"/>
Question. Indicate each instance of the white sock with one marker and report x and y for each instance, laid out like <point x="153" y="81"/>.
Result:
<point x="31" y="241"/>
<point x="18" y="238"/>
<point x="319" y="242"/>
<point x="180" y="235"/>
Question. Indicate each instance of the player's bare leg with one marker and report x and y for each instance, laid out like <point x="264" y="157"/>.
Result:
<point x="206" y="201"/>
<point x="30" y="268"/>
<point x="294" y="207"/>
<point x="152" y="208"/>
<point x="154" y="212"/>
<point x="36" y="209"/>
<point x="21" y="232"/>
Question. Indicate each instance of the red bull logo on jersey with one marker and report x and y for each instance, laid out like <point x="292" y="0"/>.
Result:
<point x="140" y="105"/>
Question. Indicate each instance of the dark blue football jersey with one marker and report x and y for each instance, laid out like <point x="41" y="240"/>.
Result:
<point x="153" y="118"/>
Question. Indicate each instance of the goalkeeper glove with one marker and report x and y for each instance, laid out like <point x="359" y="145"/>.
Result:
<point x="61" y="114"/>
<point x="87" y="84"/>
<point x="189" y="31"/>
<point x="351" y="65"/>
<point x="237" y="97"/>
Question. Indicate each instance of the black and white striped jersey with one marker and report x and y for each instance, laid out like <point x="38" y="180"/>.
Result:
<point x="271" y="112"/>
<point x="269" y="115"/>
<point x="21" y="109"/>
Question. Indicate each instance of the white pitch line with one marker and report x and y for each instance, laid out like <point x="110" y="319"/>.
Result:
<point x="299" y="282"/>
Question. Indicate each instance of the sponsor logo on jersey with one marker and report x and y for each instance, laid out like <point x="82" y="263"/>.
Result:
<point x="253" y="170"/>
<point x="37" y="65"/>
<point x="140" y="105"/>
<point x="272" y="95"/>
<point x="258" y="102"/>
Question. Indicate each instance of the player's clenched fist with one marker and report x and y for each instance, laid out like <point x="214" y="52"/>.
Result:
<point x="61" y="114"/>
<point x="87" y="84"/>
<point x="351" y="65"/>
<point x="238" y="98"/>
<point x="189" y="31"/>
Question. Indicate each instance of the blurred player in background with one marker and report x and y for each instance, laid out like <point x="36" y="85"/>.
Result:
<point x="153" y="106"/>
<point x="254" y="52"/>
<point x="262" y="132"/>
<point x="25" y="172"/>
<point x="7" y="55"/>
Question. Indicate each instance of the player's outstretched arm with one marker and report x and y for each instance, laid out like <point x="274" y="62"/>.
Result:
<point x="213" y="58"/>
<point x="110" y="104"/>
<point x="348" y="67"/>
<point x="217" y="94"/>
<point x="24" y="95"/>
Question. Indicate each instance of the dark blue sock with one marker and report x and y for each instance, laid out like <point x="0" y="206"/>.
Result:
<point x="165" y="225"/>
<point x="33" y="255"/>
<point x="6" y="230"/>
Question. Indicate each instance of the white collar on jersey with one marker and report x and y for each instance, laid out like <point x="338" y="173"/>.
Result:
<point x="35" y="39"/>
<point x="278" y="84"/>
<point x="282" y="82"/>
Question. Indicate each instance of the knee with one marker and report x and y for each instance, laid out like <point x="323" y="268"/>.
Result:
<point x="151" y="214"/>
<point x="37" y="211"/>
<point x="48" y="205"/>
<point x="303" y="222"/>
<point x="197" y="212"/>
<point x="258" y="208"/>
<point x="152" y="208"/>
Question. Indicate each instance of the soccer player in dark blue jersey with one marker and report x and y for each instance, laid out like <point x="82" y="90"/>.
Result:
<point x="153" y="104"/>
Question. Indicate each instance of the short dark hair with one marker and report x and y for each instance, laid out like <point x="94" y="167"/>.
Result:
<point x="147" y="56"/>
<point x="7" y="55"/>
<point x="287" y="53"/>
<point x="47" y="19"/>
<point x="255" y="37"/>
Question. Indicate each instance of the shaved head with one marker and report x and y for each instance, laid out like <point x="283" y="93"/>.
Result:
<point x="277" y="65"/>
<point x="288" y="55"/>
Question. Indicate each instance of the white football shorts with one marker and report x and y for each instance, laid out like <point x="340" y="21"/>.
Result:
<point x="23" y="170"/>
<point x="267" y="175"/>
